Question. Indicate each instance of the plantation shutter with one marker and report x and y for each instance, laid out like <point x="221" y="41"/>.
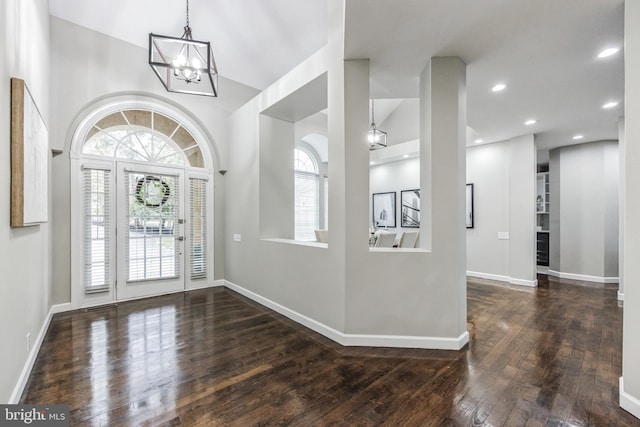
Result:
<point x="306" y="205"/>
<point x="96" y="220"/>
<point x="198" y="228"/>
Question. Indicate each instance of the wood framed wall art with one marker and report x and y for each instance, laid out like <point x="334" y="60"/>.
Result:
<point x="29" y="159"/>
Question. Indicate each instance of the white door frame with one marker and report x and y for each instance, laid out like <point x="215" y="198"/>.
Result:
<point x="93" y="114"/>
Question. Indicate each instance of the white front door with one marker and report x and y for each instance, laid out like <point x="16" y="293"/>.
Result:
<point x="150" y="230"/>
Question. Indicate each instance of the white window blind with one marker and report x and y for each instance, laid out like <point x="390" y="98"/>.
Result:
<point x="151" y="239"/>
<point x="306" y="205"/>
<point x="96" y="219"/>
<point x="198" y="228"/>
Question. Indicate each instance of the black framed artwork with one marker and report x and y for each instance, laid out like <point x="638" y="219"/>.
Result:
<point x="410" y="208"/>
<point x="384" y="209"/>
<point x="469" y="213"/>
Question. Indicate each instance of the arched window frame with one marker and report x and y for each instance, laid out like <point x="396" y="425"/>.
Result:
<point x="132" y="132"/>
<point x="307" y="197"/>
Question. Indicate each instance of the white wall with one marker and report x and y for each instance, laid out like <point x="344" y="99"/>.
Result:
<point x="488" y="171"/>
<point x="522" y="207"/>
<point x="276" y="178"/>
<point x="25" y="290"/>
<point x="303" y="278"/>
<point x="630" y="381"/>
<point x="504" y="178"/>
<point x="345" y="287"/>
<point x="88" y="66"/>
<point x="584" y="205"/>
<point x="403" y="124"/>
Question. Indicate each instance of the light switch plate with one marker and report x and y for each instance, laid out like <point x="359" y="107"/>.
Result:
<point x="237" y="238"/>
<point x="503" y="235"/>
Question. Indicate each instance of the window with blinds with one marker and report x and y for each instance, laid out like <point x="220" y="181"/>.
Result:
<point x="151" y="239"/>
<point x="96" y="229"/>
<point x="306" y="196"/>
<point x="198" y="228"/>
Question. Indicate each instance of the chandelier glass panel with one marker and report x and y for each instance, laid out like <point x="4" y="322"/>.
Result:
<point x="182" y="64"/>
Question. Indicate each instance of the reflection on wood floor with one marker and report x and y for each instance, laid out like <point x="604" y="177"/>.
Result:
<point x="551" y="356"/>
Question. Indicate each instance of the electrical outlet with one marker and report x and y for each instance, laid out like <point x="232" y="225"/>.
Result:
<point x="28" y="342"/>
<point x="503" y="235"/>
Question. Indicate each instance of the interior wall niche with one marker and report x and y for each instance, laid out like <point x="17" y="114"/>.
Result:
<point x="396" y="169"/>
<point x="299" y="119"/>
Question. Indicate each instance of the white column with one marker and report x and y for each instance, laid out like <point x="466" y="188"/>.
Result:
<point x="522" y="208"/>
<point x="630" y="381"/>
<point x="621" y="151"/>
<point x="443" y="120"/>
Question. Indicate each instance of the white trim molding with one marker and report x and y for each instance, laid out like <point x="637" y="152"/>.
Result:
<point x="542" y="269"/>
<point x="584" y="277"/>
<point x="212" y="284"/>
<point x="628" y="402"/>
<point x="507" y="279"/>
<point x="31" y="358"/>
<point x="398" y="341"/>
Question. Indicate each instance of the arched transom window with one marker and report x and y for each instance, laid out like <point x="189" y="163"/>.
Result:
<point x="143" y="135"/>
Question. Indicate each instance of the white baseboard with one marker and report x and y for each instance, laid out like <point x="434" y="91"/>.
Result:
<point x="620" y="296"/>
<point x="542" y="269"/>
<point x="507" y="279"/>
<point x="398" y="341"/>
<point x="434" y="343"/>
<point x="214" y="284"/>
<point x="218" y="283"/>
<point x="628" y="402"/>
<point x="522" y="282"/>
<point x="584" y="277"/>
<point x="31" y="358"/>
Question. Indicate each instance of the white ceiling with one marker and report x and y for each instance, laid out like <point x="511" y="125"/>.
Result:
<point x="544" y="50"/>
<point x="254" y="42"/>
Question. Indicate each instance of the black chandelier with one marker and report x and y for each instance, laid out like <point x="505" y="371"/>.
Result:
<point x="182" y="64"/>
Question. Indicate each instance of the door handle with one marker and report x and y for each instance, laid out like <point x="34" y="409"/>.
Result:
<point x="181" y="238"/>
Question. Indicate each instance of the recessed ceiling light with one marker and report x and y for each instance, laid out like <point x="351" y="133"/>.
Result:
<point x="405" y="156"/>
<point x="578" y="137"/>
<point x="531" y="122"/>
<point x="499" y="87"/>
<point x="372" y="163"/>
<point x="479" y="141"/>
<point x="608" y="52"/>
<point x="610" y="104"/>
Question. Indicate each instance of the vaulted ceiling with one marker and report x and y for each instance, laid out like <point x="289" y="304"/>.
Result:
<point x="545" y="51"/>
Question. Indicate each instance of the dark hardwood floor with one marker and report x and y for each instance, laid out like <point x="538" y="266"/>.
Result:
<point x="550" y="356"/>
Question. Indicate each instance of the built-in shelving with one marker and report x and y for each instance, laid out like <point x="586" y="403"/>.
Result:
<point x="542" y="194"/>
<point x="542" y="219"/>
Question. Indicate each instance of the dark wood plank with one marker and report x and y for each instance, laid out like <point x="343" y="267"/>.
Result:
<point x="549" y="356"/>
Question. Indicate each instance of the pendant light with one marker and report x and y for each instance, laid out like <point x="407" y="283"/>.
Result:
<point x="377" y="138"/>
<point x="182" y="64"/>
